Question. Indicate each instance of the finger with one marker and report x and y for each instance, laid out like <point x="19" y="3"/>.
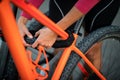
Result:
<point x="35" y="44"/>
<point x="24" y="43"/>
<point x="37" y="33"/>
<point x="29" y="34"/>
<point x="23" y="40"/>
<point x="47" y="45"/>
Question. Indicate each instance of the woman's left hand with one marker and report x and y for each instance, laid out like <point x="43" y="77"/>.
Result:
<point x="46" y="38"/>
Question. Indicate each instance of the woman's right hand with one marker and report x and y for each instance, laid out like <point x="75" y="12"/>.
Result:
<point x="23" y="29"/>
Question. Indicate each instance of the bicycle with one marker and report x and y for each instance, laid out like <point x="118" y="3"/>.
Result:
<point x="26" y="67"/>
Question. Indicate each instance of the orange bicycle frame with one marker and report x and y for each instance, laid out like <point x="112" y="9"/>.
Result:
<point x="18" y="52"/>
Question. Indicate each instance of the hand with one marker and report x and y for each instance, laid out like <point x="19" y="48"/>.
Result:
<point x="46" y="38"/>
<point x="23" y="29"/>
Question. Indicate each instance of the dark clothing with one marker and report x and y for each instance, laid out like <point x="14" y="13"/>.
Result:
<point x="101" y="15"/>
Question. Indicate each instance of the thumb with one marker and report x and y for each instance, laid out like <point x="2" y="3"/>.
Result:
<point x="29" y="34"/>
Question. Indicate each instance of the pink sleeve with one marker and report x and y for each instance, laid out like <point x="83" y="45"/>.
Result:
<point x="85" y="5"/>
<point x="36" y="3"/>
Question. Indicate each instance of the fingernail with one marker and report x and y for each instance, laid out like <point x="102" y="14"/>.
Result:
<point x="30" y="36"/>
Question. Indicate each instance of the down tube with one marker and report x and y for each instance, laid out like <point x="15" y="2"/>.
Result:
<point x="61" y="64"/>
<point x="12" y="37"/>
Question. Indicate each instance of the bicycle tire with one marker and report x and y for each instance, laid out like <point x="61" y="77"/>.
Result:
<point x="10" y="71"/>
<point x="3" y="58"/>
<point x="7" y="68"/>
<point x="85" y="44"/>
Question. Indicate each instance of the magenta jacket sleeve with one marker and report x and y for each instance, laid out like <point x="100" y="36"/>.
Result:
<point x="85" y="5"/>
<point x="36" y="3"/>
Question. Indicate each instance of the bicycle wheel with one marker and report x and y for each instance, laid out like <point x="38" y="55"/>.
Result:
<point x="108" y="32"/>
<point x="3" y="58"/>
<point x="8" y="70"/>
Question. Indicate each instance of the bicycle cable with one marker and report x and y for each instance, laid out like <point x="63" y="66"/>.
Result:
<point x="59" y="8"/>
<point x="100" y="13"/>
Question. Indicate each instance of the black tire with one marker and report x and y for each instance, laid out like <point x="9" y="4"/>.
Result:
<point x="3" y="58"/>
<point x="85" y="44"/>
<point x="8" y="70"/>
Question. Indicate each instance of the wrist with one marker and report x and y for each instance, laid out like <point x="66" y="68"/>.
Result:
<point x="22" y="20"/>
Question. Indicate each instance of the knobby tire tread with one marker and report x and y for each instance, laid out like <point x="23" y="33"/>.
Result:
<point x="84" y="45"/>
